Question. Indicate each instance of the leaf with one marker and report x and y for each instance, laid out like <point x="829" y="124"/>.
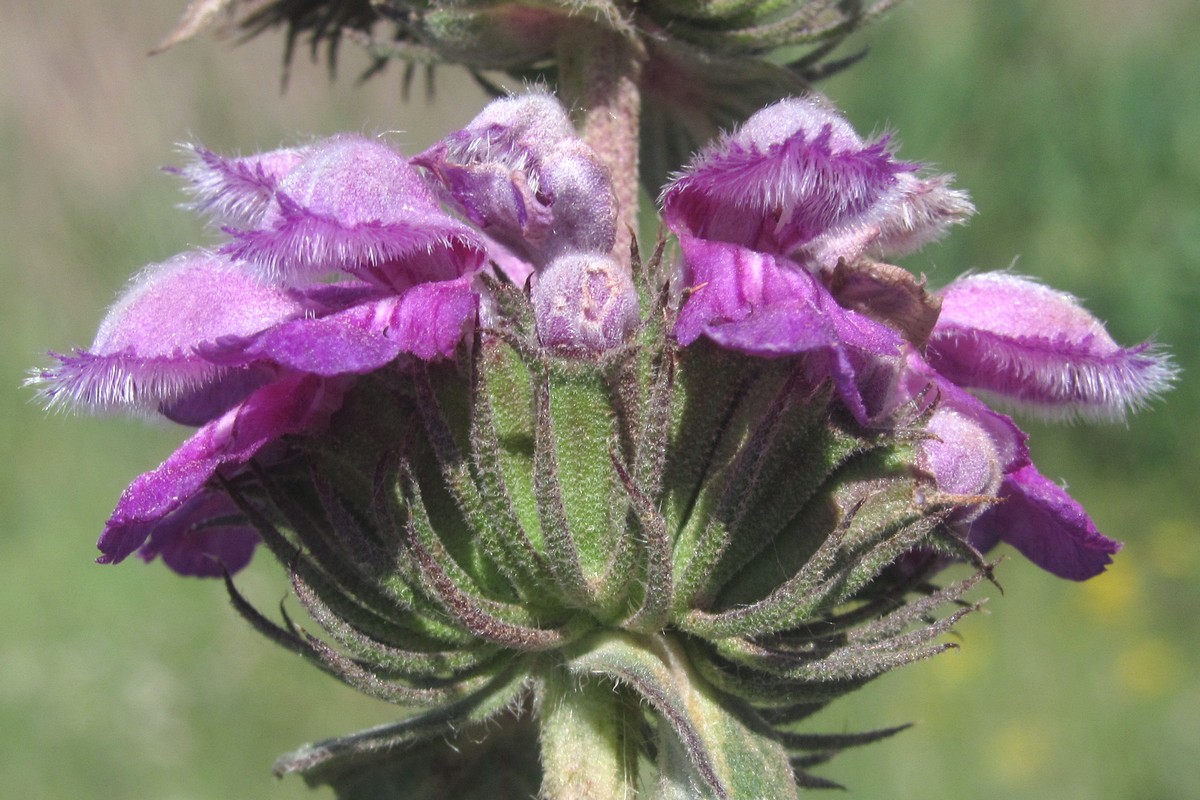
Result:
<point x="501" y="766"/>
<point x="404" y="759"/>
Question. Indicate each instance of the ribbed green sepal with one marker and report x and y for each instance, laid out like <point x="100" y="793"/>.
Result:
<point x="668" y="558"/>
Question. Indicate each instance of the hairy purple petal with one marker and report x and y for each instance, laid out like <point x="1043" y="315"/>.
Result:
<point x="236" y="190"/>
<point x="1043" y="522"/>
<point x="144" y="354"/>
<point x="521" y="174"/>
<point x="293" y="404"/>
<point x="204" y="537"/>
<point x="1039" y="349"/>
<point x="354" y="205"/>
<point x="765" y="305"/>
<point x="585" y="304"/>
<point x="796" y="171"/>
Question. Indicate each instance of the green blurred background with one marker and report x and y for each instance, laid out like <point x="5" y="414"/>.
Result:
<point x="1076" y="126"/>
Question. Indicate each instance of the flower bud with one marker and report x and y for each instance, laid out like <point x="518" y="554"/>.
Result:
<point x="584" y="304"/>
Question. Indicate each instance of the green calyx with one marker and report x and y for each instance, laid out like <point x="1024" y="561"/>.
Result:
<point x="664" y="557"/>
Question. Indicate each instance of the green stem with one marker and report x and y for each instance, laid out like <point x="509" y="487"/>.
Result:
<point x="590" y="735"/>
<point x="598" y="74"/>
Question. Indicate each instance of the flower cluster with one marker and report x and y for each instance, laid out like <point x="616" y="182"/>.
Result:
<point x="780" y="223"/>
<point x="253" y="341"/>
<point x="502" y="458"/>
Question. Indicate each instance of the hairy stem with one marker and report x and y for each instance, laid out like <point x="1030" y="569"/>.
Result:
<point x="589" y="733"/>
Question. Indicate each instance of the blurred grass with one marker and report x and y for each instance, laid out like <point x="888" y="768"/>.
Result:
<point x="1072" y="123"/>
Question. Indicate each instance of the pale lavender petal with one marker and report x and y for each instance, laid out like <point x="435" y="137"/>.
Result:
<point x="357" y="180"/>
<point x="205" y="537"/>
<point x="236" y="189"/>
<point x="144" y="353"/>
<point x="520" y="173"/>
<point x="765" y="305"/>
<point x="583" y="200"/>
<point x="295" y="404"/>
<point x="923" y="212"/>
<point x="795" y="172"/>
<point x="1039" y="350"/>
<point x="585" y="304"/>
<point x="1047" y="526"/>
<point x="353" y="205"/>
<point x="537" y="119"/>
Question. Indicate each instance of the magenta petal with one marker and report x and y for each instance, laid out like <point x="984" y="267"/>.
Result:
<point x="144" y="353"/>
<point x="487" y="175"/>
<point x="426" y="320"/>
<point x="430" y="319"/>
<point x="204" y="537"/>
<point x="236" y="189"/>
<point x="1043" y="522"/>
<point x="294" y="404"/>
<point x="1040" y="350"/>
<point x="348" y="342"/>
<point x="301" y="245"/>
<point x="210" y="552"/>
<point x="765" y="305"/>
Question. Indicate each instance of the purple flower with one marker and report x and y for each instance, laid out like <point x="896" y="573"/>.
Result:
<point x="779" y="223"/>
<point x="545" y="202"/>
<point x="1036" y="349"/>
<point x="174" y="511"/>
<point x="340" y="260"/>
<point x="764" y="304"/>
<point x="519" y="172"/>
<point x="981" y="455"/>
<point x="766" y="214"/>
<point x="796" y="180"/>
